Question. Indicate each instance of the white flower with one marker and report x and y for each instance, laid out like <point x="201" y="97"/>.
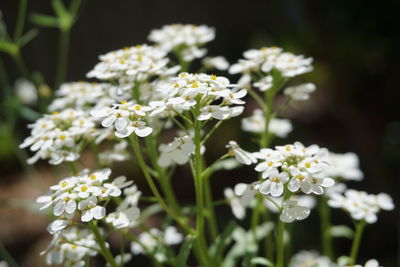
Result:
<point x="292" y="211"/>
<point x="310" y="259"/>
<point x="172" y="236"/>
<point x="345" y="166"/>
<point x="240" y="154"/>
<point x="369" y="263"/>
<point x="360" y="205"/>
<point x="300" y="92"/>
<point x="131" y="64"/>
<point x="264" y="84"/>
<point x="219" y="63"/>
<point x="79" y="95"/>
<point x="280" y="127"/>
<point x="177" y="151"/>
<point x="291" y="65"/>
<point x="118" y="153"/>
<point x="256" y="124"/>
<point x="274" y="184"/>
<point x="186" y="37"/>
<point x="75" y="251"/>
<point x="126" y="118"/>
<point x="306" y="201"/>
<point x="238" y="209"/>
<point x="123" y="217"/>
<point x="59" y="137"/>
<point x="90" y="209"/>
<point x="26" y="91"/>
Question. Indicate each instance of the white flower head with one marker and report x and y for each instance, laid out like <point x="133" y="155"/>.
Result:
<point x="292" y="211"/>
<point x="300" y="92"/>
<point x="26" y="91"/>
<point x="240" y="154"/>
<point x="219" y="63"/>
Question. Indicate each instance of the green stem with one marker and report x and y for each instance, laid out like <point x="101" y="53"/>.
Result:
<point x="19" y="28"/>
<point x="356" y="241"/>
<point x="199" y="189"/>
<point x="62" y="63"/>
<point x="210" y="133"/>
<point x="19" y="62"/>
<point x="325" y="218"/>
<point x="280" y="250"/>
<point x="165" y="182"/>
<point x="103" y="248"/>
<point x="135" y="144"/>
<point x="269" y="242"/>
<point x="280" y="244"/>
<point x="212" y="222"/>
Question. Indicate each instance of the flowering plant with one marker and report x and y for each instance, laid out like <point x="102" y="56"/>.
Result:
<point x="145" y="90"/>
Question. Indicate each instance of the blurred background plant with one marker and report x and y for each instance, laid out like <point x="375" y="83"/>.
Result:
<point x="354" y="45"/>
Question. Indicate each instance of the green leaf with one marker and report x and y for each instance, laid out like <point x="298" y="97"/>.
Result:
<point x="226" y="164"/>
<point x="149" y="211"/>
<point x="341" y="231"/>
<point x="29" y="114"/>
<point x="28" y="36"/>
<point x="261" y="261"/>
<point x="184" y="252"/>
<point x="44" y="20"/>
<point x="223" y="240"/>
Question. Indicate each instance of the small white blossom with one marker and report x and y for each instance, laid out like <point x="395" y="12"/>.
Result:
<point x="26" y="91"/>
<point x="300" y="92"/>
<point x="177" y="151"/>
<point x="219" y="63"/>
<point x="310" y="259"/>
<point x="256" y="124"/>
<point x="240" y="154"/>
<point x="292" y="211"/>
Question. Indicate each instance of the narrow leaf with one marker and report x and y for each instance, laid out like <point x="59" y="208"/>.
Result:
<point x="184" y="252"/>
<point x="28" y="36"/>
<point x="44" y="20"/>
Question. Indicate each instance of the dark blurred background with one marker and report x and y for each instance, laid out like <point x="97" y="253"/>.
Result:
<point x="355" y="108"/>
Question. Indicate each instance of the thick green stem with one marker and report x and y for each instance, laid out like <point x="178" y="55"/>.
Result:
<point x="199" y="188"/>
<point x="212" y="222"/>
<point x="103" y="248"/>
<point x="62" y="63"/>
<point x="356" y="241"/>
<point x="325" y="218"/>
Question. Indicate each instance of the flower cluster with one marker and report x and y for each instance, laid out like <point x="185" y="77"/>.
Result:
<point x="360" y="205"/>
<point x="71" y="247"/>
<point x="132" y="64"/>
<point x="185" y="39"/>
<point x="81" y="95"/>
<point x="83" y="195"/>
<point x="178" y="151"/>
<point x="154" y="240"/>
<point x="59" y="136"/>
<point x="295" y="166"/>
<point x="267" y="59"/>
<point x="187" y="90"/>
<point x="126" y="117"/>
